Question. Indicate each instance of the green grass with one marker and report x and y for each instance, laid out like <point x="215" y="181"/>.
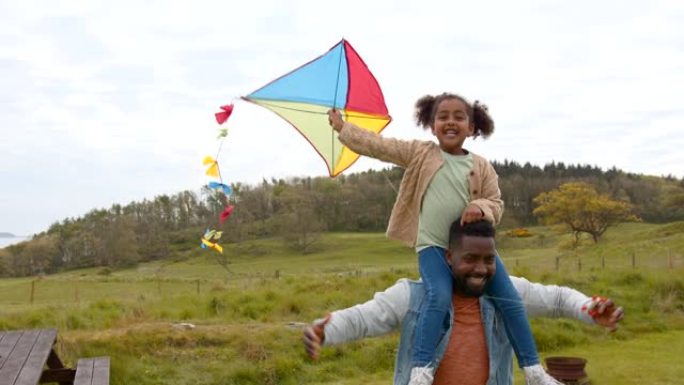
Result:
<point x="249" y="319"/>
<point x="654" y="358"/>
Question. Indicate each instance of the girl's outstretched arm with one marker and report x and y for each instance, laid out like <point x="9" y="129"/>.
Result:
<point x="364" y="142"/>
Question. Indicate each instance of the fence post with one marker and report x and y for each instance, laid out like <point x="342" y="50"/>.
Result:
<point x="76" y="292"/>
<point x="517" y="262"/>
<point x="557" y="263"/>
<point x="633" y="260"/>
<point x="579" y="263"/>
<point x="33" y="289"/>
<point x="603" y="262"/>
<point x="277" y="274"/>
<point x="198" y="286"/>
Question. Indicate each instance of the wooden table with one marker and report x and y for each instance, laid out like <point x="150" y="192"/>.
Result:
<point x="24" y="355"/>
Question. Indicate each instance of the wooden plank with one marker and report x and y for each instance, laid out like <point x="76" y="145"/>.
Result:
<point x="17" y="357"/>
<point x="84" y="372"/>
<point x="37" y="357"/>
<point x="7" y="342"/>
<point x="92" y="371"/>
<point x="101" y="371"/>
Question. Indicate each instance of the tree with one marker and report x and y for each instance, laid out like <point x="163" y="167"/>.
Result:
<point x="581" y="209"/>
<point x="298" y="223"/>
<point x="5" y="270"/>
<point x="39" y="253"/>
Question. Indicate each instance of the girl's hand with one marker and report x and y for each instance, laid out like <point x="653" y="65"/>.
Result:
<point x="335" y="119"/>
<point x="472" y="213"/>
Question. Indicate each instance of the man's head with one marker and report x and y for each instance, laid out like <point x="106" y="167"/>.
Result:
<point x="472" y="256"/>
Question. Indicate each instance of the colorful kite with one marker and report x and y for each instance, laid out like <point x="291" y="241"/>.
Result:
<point x="338" y="79"/>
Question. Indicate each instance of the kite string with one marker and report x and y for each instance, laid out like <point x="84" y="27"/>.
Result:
<point x="225" y="200"/>
<point x="218" y="169"/>
<point x="218" y="152"/>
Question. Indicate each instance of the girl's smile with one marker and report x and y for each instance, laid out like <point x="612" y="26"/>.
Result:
<point x="452" y="125"/>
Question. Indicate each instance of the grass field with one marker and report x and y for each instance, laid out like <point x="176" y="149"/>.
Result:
<point x="249" y="319"/>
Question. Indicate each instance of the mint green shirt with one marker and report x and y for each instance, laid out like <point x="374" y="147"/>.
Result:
<point x="446" y="197"/>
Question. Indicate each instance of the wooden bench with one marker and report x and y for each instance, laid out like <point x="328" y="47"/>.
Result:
<point x="92" y="371"/>
<point x="24" y="355"/>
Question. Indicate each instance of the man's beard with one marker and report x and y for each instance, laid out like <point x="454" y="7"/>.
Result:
<point x="462" y="287"/>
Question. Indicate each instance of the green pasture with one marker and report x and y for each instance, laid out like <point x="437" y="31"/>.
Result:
<point x="248" y="318"/>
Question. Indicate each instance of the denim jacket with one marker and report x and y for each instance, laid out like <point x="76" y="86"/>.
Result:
<point x="398" y="306"/>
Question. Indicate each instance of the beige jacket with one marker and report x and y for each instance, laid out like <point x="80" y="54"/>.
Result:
<point x="421" y="160"/>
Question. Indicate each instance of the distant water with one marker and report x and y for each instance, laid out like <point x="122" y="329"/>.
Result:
<point x="4" y="242"/>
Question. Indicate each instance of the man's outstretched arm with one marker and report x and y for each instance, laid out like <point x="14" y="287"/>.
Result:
<point x="376" y="317"/>
<point x="560" y="301"/>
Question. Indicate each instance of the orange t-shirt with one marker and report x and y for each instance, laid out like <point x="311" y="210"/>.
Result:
<point x="465" y="361"/>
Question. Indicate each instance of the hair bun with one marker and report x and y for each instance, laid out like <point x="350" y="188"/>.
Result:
<point x="478" y="104"/>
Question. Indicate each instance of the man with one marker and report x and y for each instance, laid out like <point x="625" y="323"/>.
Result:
<point x="475" y="349"/>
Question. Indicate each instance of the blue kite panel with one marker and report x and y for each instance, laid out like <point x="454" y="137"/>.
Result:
<point x="314" y="82"/>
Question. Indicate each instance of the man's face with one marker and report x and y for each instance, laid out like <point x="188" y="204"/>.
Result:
<point x="473" y="263"/>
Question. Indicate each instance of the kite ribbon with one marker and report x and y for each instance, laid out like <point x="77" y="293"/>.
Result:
<point x="211" y="237"/>
<point x="226" y="213"/>
<point x="222" y="116"/>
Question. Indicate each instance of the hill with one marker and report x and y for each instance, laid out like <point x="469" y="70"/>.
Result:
<point x="298" y="210"/>
<point x="248" y="315"/>
<point x="7" y="235"/>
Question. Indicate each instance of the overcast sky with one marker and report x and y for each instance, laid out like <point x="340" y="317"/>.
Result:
<point x="107" y="102"/>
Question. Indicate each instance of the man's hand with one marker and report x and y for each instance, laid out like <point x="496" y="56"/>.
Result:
<point x="605" y="313"/>
<point x="335" y="119"/>
<point x="472" y="213"/>
<point x="314" y="336"/>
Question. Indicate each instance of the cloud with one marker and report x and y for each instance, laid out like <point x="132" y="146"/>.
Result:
<point x="104" y="103"/>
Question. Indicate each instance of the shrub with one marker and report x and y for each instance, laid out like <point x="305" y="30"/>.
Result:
<point x="519" y="232"/>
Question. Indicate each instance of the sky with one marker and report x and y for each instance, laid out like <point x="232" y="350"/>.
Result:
<point x="107" y="102"/>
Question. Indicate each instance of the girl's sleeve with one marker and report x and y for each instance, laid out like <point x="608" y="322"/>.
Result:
<point x="490" y="201"/>
<point x="364" y="142"/>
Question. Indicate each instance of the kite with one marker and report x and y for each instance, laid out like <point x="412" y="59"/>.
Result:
<point x="338" y="79"/>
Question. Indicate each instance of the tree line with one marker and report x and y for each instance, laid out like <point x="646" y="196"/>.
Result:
<point x="297" y="210"/>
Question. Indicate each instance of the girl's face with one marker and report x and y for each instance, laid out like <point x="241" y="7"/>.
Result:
<point x="452" y="125"/>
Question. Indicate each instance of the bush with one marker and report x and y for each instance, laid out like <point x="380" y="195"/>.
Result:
<point x="519" y="232"/>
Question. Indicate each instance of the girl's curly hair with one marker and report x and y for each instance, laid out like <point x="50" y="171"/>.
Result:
<point x="478" y="113"/>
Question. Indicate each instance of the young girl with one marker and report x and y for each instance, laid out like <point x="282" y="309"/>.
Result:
<point x="440" y="183"/>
